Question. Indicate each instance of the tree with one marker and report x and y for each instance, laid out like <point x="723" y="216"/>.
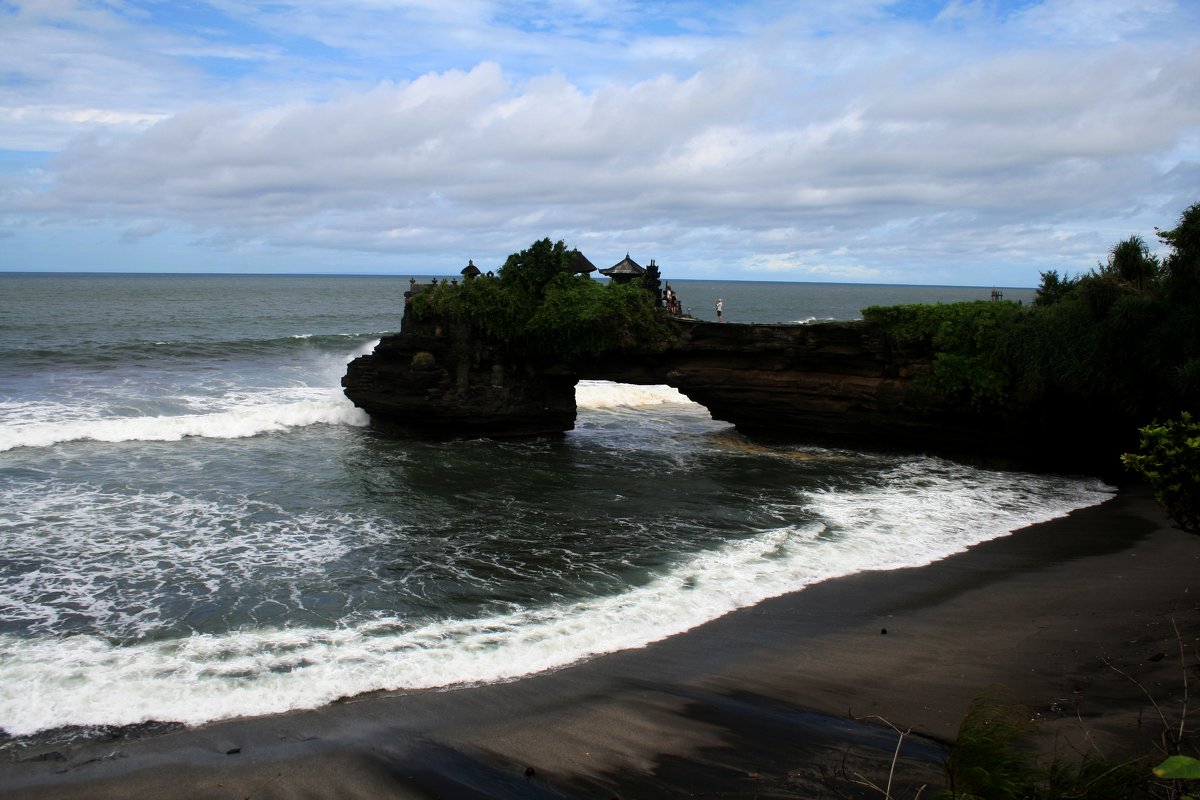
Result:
<point x="1182" y="267"/>
<point x="1132" y="262"/>
<point x="1053" y="288"/>
<point x="530" y="270"/>
<point x="538" y="305"/>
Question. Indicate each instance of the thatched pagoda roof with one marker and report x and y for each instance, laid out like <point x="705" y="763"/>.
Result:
<point x="580" y="265"/>
<point x="625" y="267"/>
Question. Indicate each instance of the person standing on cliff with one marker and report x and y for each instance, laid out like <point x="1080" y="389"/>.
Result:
<point x="720" y="308"/>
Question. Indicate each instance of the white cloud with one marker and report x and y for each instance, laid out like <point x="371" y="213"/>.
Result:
<point x="1098" y="21"/>
<point x="848" y="146"/>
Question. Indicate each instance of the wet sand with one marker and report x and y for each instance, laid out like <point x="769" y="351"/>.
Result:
<point x="1076" y="618"/>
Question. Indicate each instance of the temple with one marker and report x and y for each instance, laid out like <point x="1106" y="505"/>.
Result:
<point x="624" y="271"/>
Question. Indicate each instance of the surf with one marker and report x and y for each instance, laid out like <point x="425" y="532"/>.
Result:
<point x="921" y="510"/>
<point x="326" y="408"/>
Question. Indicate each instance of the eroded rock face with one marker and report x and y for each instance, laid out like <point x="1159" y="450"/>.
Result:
<point x="831" y="381"/>
<point x="834" y="383"/>
<point x="434" y="379"/>
<point x="837" y="383"/>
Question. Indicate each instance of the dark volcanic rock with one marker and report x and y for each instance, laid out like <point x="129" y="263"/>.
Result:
<point x="836" y="383"/>
<point x="435" y="379"/>
<point x="833" y="383"/>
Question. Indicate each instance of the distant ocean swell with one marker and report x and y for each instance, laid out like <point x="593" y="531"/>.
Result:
<point x="121" y="354"/>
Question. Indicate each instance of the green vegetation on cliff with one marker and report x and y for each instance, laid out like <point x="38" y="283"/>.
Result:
<point x="971" y="345"/>
<point x="1121" y="342"/>
<point x="536" y="303"/>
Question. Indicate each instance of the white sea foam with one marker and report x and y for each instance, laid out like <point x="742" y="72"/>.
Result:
<point x="237" y="413"/>
<point x="924" y="511"/>
<point x="107" y="558"/>
<point x="326" y="407"/>
<point x="14" y="413"/>
<point x="329" y="371"/>
<point x="606" y="394"/>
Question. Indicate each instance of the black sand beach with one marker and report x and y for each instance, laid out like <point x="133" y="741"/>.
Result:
<point x="777" y="700"/>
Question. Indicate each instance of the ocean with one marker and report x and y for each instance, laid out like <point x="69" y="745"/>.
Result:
<point x="195" y="524"/>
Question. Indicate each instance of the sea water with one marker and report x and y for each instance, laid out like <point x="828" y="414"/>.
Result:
<point x="196" y="524"/>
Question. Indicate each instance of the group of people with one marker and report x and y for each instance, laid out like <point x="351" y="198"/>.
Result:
<point x="675" y="307"/>
<point x="671" y="301"/>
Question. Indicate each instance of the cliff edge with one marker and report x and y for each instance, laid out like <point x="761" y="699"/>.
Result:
<point x="833" y="383"/>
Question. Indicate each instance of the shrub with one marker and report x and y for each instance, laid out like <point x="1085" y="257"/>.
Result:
<point x="971" y="345"/>
<point x="1182" y="266"/>
<point x="1053" y="288"/>
<point x="536" y="304"/>
<point x="1170" y="462"/>
<point x="993" y="758"/>
<point x="1121" y="343"/>
<point x="1132" y="263"/>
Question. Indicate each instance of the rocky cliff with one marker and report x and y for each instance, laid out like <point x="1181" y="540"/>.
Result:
<point x="829" y="383"/>
<point x="435" y="378"/>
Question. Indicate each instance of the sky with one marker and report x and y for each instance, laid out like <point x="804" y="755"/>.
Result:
<point x="927" y="142"/>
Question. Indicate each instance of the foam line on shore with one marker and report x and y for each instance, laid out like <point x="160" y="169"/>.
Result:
<point x="52" y="681"/>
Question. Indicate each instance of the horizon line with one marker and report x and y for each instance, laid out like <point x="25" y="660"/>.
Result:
<point x="454" y="275"/>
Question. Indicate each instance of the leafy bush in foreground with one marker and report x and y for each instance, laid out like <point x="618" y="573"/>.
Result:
<point x="1170" y="462"/>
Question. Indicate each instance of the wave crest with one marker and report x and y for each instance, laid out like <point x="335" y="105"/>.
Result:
<point x="235" y="423"/>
